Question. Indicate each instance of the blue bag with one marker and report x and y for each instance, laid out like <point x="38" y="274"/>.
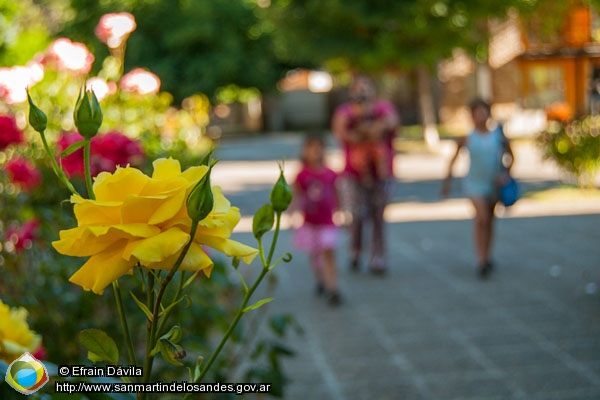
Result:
<point x="509" y="192"/>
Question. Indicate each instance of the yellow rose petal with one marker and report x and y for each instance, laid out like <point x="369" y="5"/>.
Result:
<point x="80" y="242"/>
<point x="194" y="174"/>
<point x="196" y="259"/>
<point x="102" y="269"/>
<point x="116" y="187"/>
<point x="230" y="248"/>
<point x="165" y="168"/>
<point x="89" y="212"/>
<point x="159" y="247"/>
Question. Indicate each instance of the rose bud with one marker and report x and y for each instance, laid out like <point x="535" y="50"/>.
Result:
<point x="281" y="194"/>
<point x="200" y="201"/>
<point x="37" y="118"/>
<point x="87" y="114"/>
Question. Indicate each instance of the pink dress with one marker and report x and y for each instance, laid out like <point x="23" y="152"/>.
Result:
<point x="318" y="202"/>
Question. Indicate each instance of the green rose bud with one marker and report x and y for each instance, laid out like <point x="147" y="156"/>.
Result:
<point x="87" y="114"/>
<point x="263" y="221"/>
<point x="37" y="118"/>
<point x="281" y="194"/>
<point x="200" y="201"/>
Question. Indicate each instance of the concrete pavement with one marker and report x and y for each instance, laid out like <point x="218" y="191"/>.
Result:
<point x="430" y="329"/>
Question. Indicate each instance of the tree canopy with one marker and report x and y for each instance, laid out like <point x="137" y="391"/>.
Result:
<point x="203" y="45"/>
<point x="194" y="46"/>
<point x="374" y="35"/>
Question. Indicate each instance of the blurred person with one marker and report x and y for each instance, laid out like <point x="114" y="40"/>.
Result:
<point x="365" y="127"/>
<point x="487" y="146"/>
<point x="316" y="197"/>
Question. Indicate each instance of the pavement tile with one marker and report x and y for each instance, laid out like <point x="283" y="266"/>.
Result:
<point x="458" y="385"/>
<point x="538" y="379"/>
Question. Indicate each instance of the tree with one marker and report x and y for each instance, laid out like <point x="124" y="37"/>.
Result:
<point x="193" y="46"/>
<point x="376" y="35"/>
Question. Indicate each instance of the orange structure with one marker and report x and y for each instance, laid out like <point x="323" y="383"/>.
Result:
<point x="562" y="66"/>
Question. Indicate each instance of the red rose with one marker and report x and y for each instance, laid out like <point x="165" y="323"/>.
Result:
<point x="22" y="237"/>
<point x="73" y="163"/>
<point x="107" y="151"/>
<point x="112" y="149"/>
<point x="9" y="133"/>
<point x="24" y="173"/>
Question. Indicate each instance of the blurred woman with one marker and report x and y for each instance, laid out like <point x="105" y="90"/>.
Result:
<point x="365" y="127"/>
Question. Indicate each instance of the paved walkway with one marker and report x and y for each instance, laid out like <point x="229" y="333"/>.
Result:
<point x="430" y="329"/>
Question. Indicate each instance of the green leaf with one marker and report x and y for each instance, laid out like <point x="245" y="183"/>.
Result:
<point x="170" y="307"/>
<point x="171" y="352"/>
<point x="189" y="280"/>
<point x="174" y="335"/>
<point x="263" y="221"/>
<point x="142" y="306"/>
<point x="100" y="346"/>
<point x="198" y="369"/>
<point x="258" y="304"/>
<point x="195" y="374"/>
<point x="72" y="148"/>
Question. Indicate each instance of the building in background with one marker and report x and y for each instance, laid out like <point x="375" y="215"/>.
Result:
<point x="532" y="64"/>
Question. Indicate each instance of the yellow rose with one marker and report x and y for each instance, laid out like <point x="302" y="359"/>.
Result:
<point x="15" y="336"/>
<point x="140" y="219"/>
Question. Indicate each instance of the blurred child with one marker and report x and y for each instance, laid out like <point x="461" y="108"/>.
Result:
<point x="315" y="196"/>
<point x="487" y="148"/>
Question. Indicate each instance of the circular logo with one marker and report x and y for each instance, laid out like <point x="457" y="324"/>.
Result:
<point x="26" y="374"/>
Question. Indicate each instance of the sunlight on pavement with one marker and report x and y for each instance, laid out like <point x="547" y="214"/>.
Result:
<point x="460" y="209"/>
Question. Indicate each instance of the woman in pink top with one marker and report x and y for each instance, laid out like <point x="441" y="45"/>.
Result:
<point x="315" y="195"/>
<point x="365" y="128"/>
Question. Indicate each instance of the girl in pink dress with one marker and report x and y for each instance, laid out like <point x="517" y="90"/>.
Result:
<point x="315" y="196"/>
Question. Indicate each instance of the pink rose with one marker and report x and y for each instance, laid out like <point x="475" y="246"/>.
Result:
<point x="112" y="149"/>
<point x="24" y="173"/>
<point x="140" y="81"/>
<point x="114" y="28"/>
<point x="23" y="236"/>
<point x="9" y="133"/>
<point x="73" y="163"/>
<point x="72" y="56"/>
<point x="15" y="80"/>
<point x="107" y="151"/>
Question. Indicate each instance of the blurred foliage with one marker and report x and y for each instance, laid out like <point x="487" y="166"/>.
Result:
<point x="204" y="46"/>
<point x="194" y="46"/>
<point x="575" y="147"/>
<point x="373" y="36"/>
<point x="26" y="28"/>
